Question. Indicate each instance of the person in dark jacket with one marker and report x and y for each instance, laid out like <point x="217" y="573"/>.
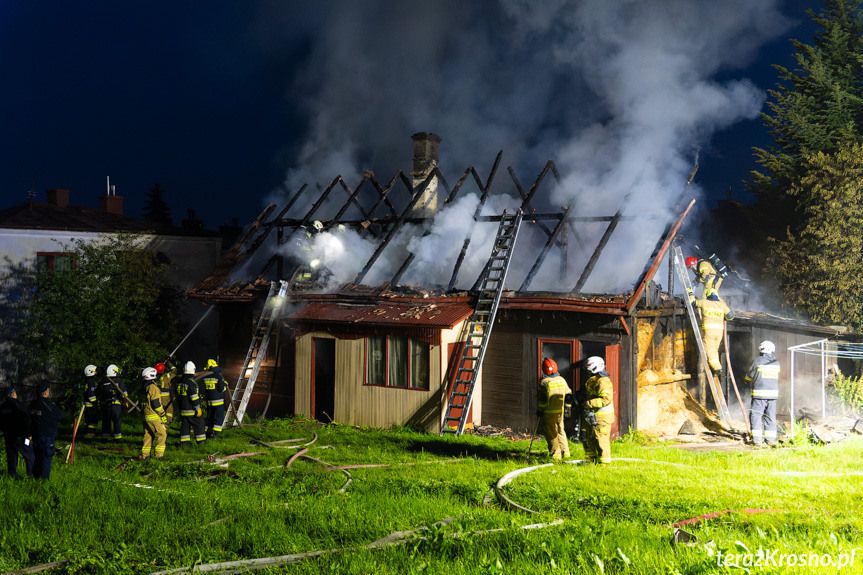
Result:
<point x="214" y="388"/>
<point x="15" y="423"/>
<point x="112" y="397"/>
<point x="45" y="419"/>
<point x="191" y="416"/>
<point x="91" y="401"/>
<point x="764" y="377"/>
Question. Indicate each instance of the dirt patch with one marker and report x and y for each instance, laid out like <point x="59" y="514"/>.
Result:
<point x="664" y="408"/>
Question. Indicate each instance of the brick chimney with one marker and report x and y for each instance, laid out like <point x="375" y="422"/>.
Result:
<point x="111" y="204"/>
<point x="425" y="161"/>
<point x="58" y="197"/>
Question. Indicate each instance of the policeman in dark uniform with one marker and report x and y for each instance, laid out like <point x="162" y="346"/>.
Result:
<point x="15" y="423"/>
<point x="45" y="419"/>
<point x="214" y="388"/>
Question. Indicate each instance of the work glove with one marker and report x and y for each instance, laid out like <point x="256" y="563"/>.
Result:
<point x="198" y="413"/>
<point x="164" y="420"/>
<point x="169" y="418"/>
<point x="590" y="418"/>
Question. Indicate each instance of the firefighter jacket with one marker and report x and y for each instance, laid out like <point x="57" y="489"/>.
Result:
<point x="764" y="376"/>
<point x="164" y="382"/>
<point x="91" y="398"/>
<point x="187" y="394"/>
<point x="704" y="272"/>
<point x="553" y="394"/>
<point x="599" y="393"/>
<point x="714" y="312"/>
<point x="152" y="408"/>
<point x="111" y="394"/>
<point x="214" y="386"/>
<point x="45" y="418"/>
<point x="14" y="418"/>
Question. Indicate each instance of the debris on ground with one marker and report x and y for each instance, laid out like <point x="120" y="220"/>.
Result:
<point x="832" y="428"/>
<point x="506" y="432"/>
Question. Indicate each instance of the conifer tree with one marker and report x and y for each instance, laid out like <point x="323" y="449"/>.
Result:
<point x="156" y="209"/>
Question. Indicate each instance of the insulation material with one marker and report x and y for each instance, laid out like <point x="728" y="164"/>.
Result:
<point x="664" y="408"/>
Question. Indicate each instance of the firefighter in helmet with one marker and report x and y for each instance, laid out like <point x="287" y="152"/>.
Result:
<point x="705" y="274"/>
<point x="714" y="312"/>
<point x="191" y="416"/>
<point x="112" y="397"/>
<point x="554" y="397"/>
<point x="764" y="377"/>
<point x="165" y="373"/>
<point x="91" y="401"/>
<point x="214" y="388"/>
<point x="154" y="415"/>
<point x="598" y="411"/>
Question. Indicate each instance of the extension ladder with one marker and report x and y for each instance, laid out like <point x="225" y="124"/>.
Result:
<point x="478" y="328"/>
<point x="718" y="398"/>
<point x="246" y="382"/>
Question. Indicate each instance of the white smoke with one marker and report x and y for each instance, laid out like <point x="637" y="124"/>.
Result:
<point x="618" y="94"/>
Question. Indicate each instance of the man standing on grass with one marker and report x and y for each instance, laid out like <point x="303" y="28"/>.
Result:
<point x="45" y="419"/>
<point x="191" y="416"/>
<point x="214" y="386"/>
<point x="553" y="398"/>
<point x="764" y="377"/>
<point x="15" y="423"/>
<point x="154" y="415"/>
<point x="598" y="411"/>
<point x="91" y="401"/>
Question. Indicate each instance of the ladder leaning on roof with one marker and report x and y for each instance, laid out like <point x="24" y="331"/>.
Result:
<point x="246" y="382"/>
<point x="478" y="327"/>
<point x="718" y="398"/>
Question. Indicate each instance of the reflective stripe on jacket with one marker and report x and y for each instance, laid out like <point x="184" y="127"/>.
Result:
<point x="764" y="376"/>
<point x="552" y="394"/>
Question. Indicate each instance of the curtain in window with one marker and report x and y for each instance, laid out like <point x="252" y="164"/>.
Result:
<point x="377" y="369"/>
<point x="419" y="364"/>
<point x="398" y="361"/>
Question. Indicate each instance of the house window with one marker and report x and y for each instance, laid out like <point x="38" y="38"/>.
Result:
<point x="55" y="261"/>
<point x="397" y="361"/>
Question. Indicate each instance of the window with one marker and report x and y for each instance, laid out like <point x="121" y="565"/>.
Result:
<point x="397" y="361"/>
<point x="55" y="261"/>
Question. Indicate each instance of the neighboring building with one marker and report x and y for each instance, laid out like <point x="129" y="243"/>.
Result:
<point x="376" y="351"/>
<point x="35" y="232"/>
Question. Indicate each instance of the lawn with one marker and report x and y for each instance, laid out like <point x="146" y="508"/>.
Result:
<point x="361" y="500"/>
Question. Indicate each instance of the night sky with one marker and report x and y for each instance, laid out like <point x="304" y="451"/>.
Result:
<point x="224" y="102"/>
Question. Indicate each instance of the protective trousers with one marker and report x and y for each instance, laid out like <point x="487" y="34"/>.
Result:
<point x="155" y="436"/>
<point x="712" y="340"/>
<point x="14" y="447"/>
<point x="215" y="419"/>
<point x="763" y="411"/>
<point x="112" y="416"/>
<point x="189" y="423"/>
<point x="555" y="436"/>
<point x="43" y="452"/>
<point x="598" y="446"/>
<point x="91" y="419"/>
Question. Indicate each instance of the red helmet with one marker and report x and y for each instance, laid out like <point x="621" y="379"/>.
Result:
<point x="160" y="368"/>
<point x="549" y="366"/>
<point x="691" y="262"/>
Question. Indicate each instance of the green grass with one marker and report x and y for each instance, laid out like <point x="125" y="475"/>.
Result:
<point x="615" y="519"/>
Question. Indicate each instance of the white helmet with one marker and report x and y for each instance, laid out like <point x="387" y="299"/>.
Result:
<point x="595" y="364"/>
<point x="112" y="370"/>
<point x="90" y="370"/>
<point x="318" y="225"/>
<point x="149" y="373"/>
<point x="190" y="367"/>
<point x="767" y="347"/>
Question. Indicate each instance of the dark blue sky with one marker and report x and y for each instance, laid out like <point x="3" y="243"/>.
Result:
<point x="216" y="101"/>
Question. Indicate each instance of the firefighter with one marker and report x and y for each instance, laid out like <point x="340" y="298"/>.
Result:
<point x="45" y="419"/>
<point x="215" y="387"/>
<point x="598" y="411"/>
<point x="166" y="373"/>
<point x="764" y="377"/>
<point x="705" y="274"/>
<point x="155" y="417"/>
<point x="112" y="397"/>
<point x="190" y="408"/>
<point x="15" y="424"/>
<point x="714" y="312"/>
<point x="553" y="398"/>
<point x="91" y="401"/>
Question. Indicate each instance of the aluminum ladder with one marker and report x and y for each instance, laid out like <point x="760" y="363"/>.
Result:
<point x="478" y="328"/>
<point x="683" y="274"/>
<point x="246" y="382"/>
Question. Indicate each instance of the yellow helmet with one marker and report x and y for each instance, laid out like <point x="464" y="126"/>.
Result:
<point x="212" y="363"/>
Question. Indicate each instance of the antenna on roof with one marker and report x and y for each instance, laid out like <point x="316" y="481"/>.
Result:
<point x="112" y="190"/>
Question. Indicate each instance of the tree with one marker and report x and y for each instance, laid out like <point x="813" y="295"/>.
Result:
<point x="818" y="107"/>
<point x="156" y="209"/>
<point x="113" y="306"/>
<point x="820" y="269"/>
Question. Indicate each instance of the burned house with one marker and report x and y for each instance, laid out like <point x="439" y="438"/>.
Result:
<point x="413" y="302"/>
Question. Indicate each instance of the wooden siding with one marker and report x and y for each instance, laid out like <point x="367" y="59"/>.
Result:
<point x="358" y="404"/>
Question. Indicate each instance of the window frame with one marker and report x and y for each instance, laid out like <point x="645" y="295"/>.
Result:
<point x="50" y="258"/>
<point x="387" y="346"/>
